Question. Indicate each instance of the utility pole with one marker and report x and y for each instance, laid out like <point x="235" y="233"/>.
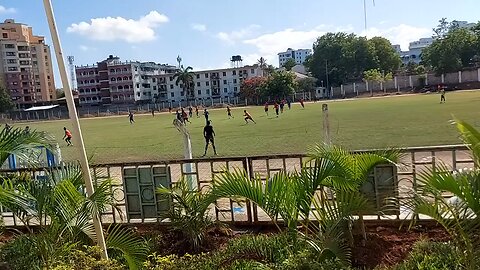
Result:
<point x="326" y="75"/>
<point x="87" y="177"/>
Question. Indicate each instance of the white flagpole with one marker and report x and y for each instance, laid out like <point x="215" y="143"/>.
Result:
<point x="74" y="119"/>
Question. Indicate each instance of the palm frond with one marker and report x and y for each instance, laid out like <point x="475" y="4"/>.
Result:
<point x="20" y="143"/>
<point x="471" y="137"/>
<point x="131" y="247"/>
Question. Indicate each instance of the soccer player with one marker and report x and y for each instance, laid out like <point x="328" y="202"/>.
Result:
<point x="248" y="117"/>
<point x="289" y="104"/>
<point x="130" y="117"/>
<point x="209" y="135"/>
<point x="170" y="109"/>
<point x="266" y="108"/>
<point x="68" y="136"/>
<point x="26" y="130"/>
<point x="190" y="111"/>
<point x="153" y="112"/>
<point x="7" y="128"/>
<point x="179" y="117"/>
<point x="275" y="106"/>
<point x="185" y="116"/>
<point x="442" y="97"/>
<point x="196" y="111"/>
<point x="301" y="103"/>
<point x="206" y="114"/>
<point x="282" y="104"/>
<point x="229" y="112"/>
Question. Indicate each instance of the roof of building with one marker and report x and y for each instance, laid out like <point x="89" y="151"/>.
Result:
<point x="41" y="108"/>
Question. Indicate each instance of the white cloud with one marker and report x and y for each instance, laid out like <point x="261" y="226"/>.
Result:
<point x="401" y="34"/>
<point x="119" y="28"/>
<point x="86" y="48"/>
<point x="232" y="37"/>
<point x="270" y="44"/>
<point x="5" y="10"/>
<point x="199" y="27"/>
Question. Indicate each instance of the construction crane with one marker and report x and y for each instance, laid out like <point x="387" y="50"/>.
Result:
<point x="71" y="66"/>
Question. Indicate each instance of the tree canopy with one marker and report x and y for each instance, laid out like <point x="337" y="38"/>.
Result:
<point x="6" y="103"/>
<point x="289" y="64"/>
<point x="278" y="85"/>
<point x="344" y="57"/>
<point x="453" y="49"/>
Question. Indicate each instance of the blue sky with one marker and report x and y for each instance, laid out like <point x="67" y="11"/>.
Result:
<point x="206" y="33"/>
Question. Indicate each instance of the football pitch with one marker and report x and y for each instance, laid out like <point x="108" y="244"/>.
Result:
<point x="399" y="121"/>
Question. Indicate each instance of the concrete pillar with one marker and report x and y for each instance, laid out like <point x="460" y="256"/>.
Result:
<point x="342" y="90"/>
<point x="443" y="78"/>
<point x="460" y="76"/>
<point x="478" y="74"/>
<point x="367" y="88"/>
<point x="355" y="89"/>
<point x="410" y="81"/>
<point x="331" y="91"/>
<point x="426" y="78"/>
<point x="395" y="82"/>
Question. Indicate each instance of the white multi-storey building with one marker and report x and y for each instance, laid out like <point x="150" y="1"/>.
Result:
<point x="298" y="55"/>
<point x="207" y="84"/>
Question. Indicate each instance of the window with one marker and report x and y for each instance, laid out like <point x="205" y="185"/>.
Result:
<point x="224" y="74"/>
<point x="10" y="54"/>
<point x="199" y="92"/>
<point x="208" y="91"/>
<point x="138" y="94"/>
<point x="234" y="72"/>
<point x="182" y="93"/>
<point x="235" y="89"/>
<point x="119" y="79"/>
<point x="224" y="81"/>
<point x="154" y="80"/>
<point x="234" y="80"/>
<point x="171" y="78"/>
<point x="207" y="83"/>
<point x="112" y="79"/>
<point x="137" y="85"/>
<point x="198" y="76"/>
<point x="172" y="94"/>
<point x="9" y="46"/>
<point x="206" y="75"/>
<point x="11" y="61"/>
<point x="171" y="86"/>
<point x="12" y="69"/>
<point x="225" y="90"/>
<point x="198" y="84"/>
<point x="154" y="88"/>
<point x="252" y="71"/>
<point x="5" y="35"/>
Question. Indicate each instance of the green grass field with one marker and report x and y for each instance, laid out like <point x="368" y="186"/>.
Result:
<point x="415" y="120"/>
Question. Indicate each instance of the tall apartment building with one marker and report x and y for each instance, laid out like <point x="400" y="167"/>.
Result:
<point x="25" y="65"/>
<point x="113" y="81"/>
<point x="298" y="55"/>
<point x="207" y="84"/>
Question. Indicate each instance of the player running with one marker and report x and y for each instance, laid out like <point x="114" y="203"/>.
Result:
<point x="196" y="111"/>
<point x="130" y="117"/>
<point x="289" y="104"/>
<point x="301" y="103"/>
<point x="209" y="135"/>
<point x="185" y="116"/>
<point x="206" y="114"/>
<point x="442" y="96"/>
<point x="282" y="104"/>
<point x="248" y="117"/>
<point x="275" y="106"/>
<point x="190" y="111"/>
<point x="266" y="108"/>
<point x="68" y="136"/>
<point x="229" y="112"/>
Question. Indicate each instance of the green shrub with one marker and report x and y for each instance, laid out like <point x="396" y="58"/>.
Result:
<point x="20" y="254"/>
<point x="88" y="259"/>
<point x="308" y="260"/>
<point x="432" y="256"/>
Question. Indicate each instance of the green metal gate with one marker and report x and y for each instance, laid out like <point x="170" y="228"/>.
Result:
<point x="140" y="184"/>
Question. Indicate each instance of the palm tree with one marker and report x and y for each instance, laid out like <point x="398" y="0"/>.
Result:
<point x="289" y="196"/>
<point x="20" y="143"/>
<point x="184" y="76"/>
<point x="262" y="63"/>
<point x="460" y="214"/>
<point x="63" y="212"/>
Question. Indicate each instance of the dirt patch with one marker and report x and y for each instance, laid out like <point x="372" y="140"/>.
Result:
<point x="387" y="246"/>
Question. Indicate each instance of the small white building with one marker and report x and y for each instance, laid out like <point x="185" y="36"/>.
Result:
<point x="207" y="84"/>
<point x="298" y="55"/>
